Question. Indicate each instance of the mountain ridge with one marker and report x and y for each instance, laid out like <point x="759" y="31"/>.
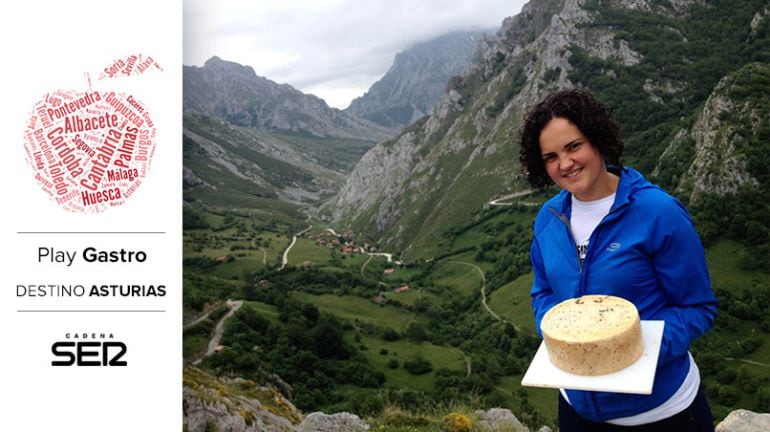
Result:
<point x="235" y="93"/>
<point x="417" y="79"/>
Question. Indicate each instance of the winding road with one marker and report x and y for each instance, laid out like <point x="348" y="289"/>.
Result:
<point x="484" y="293"/>
<point x="214" y="342"/>
<point x="496" y="202"/>
<point x="285" y="258"/>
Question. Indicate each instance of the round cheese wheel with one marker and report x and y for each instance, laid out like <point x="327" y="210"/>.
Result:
<point x="593" y="334"/>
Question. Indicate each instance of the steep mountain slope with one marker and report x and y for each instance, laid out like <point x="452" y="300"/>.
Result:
<point x="723" y="150"/>
<point x="254" y="145"/>
<point x="416" y="80"/>
<point x="407" y="191"/>
<point x="233" y="92"/>
<point x="226" y="160"/>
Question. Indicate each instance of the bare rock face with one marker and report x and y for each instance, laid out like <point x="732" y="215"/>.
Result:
<point x="250" y="416"/>
<point x="726" y="122"/>
<point x="235" y="93"/>
<point x="339" y="422"/>
<point x="416" y="80"/>
<point x="235" y="405"/>
<point x="744" y="421"/>
<point x="497" y="419"/>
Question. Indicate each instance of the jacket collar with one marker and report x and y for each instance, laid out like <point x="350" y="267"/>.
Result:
<point x="630" y="181"/>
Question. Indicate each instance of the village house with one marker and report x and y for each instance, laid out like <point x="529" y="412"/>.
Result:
<point x="402" y="288"/>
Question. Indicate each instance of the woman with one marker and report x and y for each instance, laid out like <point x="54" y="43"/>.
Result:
<point x="610" y="231"/>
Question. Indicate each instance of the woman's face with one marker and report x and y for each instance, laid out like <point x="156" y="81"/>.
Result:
<point x="572" y="162"/>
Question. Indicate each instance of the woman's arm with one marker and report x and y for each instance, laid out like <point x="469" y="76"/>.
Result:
<point x="680" y="266"/>
<point x="543" y="297"/>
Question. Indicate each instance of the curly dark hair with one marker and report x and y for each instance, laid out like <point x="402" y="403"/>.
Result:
<point x="586" y="112"/>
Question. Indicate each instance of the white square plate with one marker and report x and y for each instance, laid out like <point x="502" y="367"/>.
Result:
<point x="636" y="378"/>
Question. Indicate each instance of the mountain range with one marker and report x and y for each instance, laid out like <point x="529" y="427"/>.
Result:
<point x="235" y="93"/>
<point x="417" y="79"/>
<point x="250" y="141"/>
<point x="672" y="104"/>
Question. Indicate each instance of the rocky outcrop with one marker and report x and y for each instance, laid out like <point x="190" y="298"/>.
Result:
<point x="339" y="422"/>
<point x="498" y="419"/>
<point x="239" y="405"/>
<point x="711" y="148"/>
<point x="235" y="405"/>
<point x="416" y="80"/>
<point x="381" y="173"/>
<point x="235" y="93"/>
<point x="744" y="421"/>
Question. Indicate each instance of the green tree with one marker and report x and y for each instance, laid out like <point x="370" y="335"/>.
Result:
<point x="417" y="332"/>
<point x="418" y="365"/>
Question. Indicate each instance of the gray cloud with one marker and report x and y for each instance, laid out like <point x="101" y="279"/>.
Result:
<point x="332" y="48"/>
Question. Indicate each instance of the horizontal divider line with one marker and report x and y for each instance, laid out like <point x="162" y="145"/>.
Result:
<point x="90" y="232"/>
<point x="91" y="310"/>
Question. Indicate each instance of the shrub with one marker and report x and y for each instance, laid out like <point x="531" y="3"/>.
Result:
<point x="726" y="376"/>
<point x="455" y="422"/>
<point x="418" y="366"/>
<point x="390" y="335"/>
<point x="762" y="400"/>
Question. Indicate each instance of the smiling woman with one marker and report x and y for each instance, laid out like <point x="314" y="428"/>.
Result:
<point x="573" y="163"/>
<point x="611" y="232"/>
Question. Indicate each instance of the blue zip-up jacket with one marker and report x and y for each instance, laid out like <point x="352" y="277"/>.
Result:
<point x="645" y="250"/>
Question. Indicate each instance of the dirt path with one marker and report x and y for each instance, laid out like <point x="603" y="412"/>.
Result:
<point x="264" y="252"/>
<point x="511" y="196"/>
<point x="483" y="291"/>
<point x="751" y="362"/>
<point x="468" y="368"/>
<point x="285" y="258"/>
<point x="214" y="342"/>
<point x="364" y="266"/>
<point x="199" y="319"/>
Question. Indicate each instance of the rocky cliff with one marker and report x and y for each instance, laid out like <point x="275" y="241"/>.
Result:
<point x="416" y="80"/>
<point x="713" y="155"/>
<point x="234" y="404"/>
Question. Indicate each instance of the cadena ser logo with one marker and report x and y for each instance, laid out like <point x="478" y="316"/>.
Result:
<point x="89" y="349"/>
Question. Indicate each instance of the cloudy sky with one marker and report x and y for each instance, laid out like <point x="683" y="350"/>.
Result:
<point x="334" y="49"/>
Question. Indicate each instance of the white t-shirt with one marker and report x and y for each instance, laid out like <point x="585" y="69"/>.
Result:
<point x="586" y="215"/>
<point x="674" y="405"/>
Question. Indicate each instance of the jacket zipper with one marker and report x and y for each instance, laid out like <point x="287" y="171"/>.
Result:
<point x="565" y="220"/>
<point x="592" y="239"/>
